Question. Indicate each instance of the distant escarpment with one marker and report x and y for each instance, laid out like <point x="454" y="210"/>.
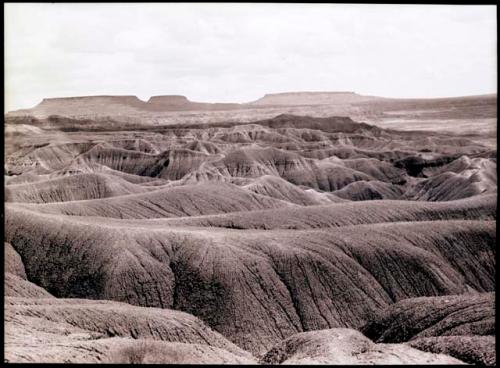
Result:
<point x="312" y="98"/>
<point x="117" y="105"/>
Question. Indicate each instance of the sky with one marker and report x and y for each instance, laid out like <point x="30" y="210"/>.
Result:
<point x="223" y="52"/>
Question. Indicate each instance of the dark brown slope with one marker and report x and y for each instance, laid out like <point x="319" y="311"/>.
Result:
<point x="15" y="280"/>
<point x="255" y="287"/>
<point x="477" y="350"/>
<point x="84" y="331"/>
<point x="410" y="319"/>
<point x="462" y="326"/>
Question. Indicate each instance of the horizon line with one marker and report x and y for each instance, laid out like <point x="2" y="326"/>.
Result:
<point x="252" y="101"/>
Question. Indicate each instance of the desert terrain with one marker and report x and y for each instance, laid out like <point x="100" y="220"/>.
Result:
<point x="300" y="228"/>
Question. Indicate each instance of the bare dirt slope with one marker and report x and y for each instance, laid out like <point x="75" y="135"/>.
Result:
<point x="260" y="286"/>
<point x="83" y="331"/>
<point x="344" y="346"/>
<point x="462" y="326"/>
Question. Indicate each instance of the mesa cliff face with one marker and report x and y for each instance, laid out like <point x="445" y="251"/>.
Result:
<point x="102" y="106"/>
<point x="313" y="98"/>
<point x="168" y="100"/>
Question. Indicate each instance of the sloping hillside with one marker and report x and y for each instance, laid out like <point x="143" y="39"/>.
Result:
<point x="274" y="240"/>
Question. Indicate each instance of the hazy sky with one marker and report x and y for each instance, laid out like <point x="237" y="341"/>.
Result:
<point x="239" y="52"/>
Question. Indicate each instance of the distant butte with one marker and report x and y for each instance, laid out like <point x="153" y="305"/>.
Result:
<point x="312" y="98"/>
<point x="169" y="100"/>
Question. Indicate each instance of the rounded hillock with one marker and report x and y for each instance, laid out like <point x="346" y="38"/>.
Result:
<point x="344" y="346"/>
<point x="410" y="319"/>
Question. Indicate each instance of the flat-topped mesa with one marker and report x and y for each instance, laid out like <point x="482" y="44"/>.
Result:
<point x="311" y="98"/>
<point x="84" y="106"/>
<point x="168" y="100"/>
<point x="107" y="105"/>
<point x="91" y="100"/>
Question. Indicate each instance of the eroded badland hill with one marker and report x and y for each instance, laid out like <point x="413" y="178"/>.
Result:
<point x="299" y="228"/>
